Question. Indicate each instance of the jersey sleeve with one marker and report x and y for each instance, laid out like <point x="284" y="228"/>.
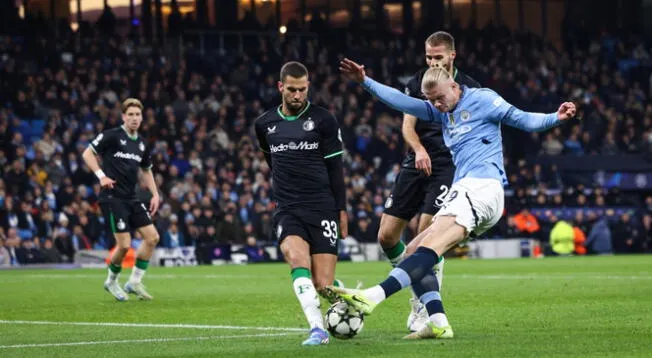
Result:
<point x="260" y="136"/>
<point x="103" y="142"/>
<point x="399" y="101"/>
<point x="147" y="158"/>
<point x="331" y="137"/>
<point x="502" y="111"/>
<point x="495" y="105"/>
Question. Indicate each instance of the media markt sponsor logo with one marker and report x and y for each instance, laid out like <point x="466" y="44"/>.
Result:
<point x="303" y="145"/>
<point x="131" y="156"/>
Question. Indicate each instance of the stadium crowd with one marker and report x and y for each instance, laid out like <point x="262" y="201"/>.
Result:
<point x="56" y="96"/>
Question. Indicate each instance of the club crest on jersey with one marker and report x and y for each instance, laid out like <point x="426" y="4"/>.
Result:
<point x="123" y="142"/>
<point x="465" y="115"/>
<point x="451" y="119"/>
<point x="121" y="225"/>
<point x="389" y="202"/>
<point x="141" y="147"/>
<point x="308" y="125"/>
<point x="271" y="130"/>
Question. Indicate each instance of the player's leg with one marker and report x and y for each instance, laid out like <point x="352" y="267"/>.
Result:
<point x="295" y="248"/>
<point x="442" y="233"/>
<point x="400" y="207"/>
<point x="389" y="237"/>
<point x="418" y="316"/>
<point x="425" y="220"/>
<point x="143" y="255"/>
<point x="438" y="189"/>
<point x="428" y="290"/>
<point x="324" y="233"/>
<point x="323" y="271"/>
<point x="297" y="254"/>
<point x="114" y="216"/>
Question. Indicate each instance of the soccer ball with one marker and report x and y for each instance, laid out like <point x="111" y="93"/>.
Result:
<point x="342" y="321"/>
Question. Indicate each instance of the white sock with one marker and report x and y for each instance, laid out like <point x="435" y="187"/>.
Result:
<point x="439" y="320"/>
<point x="309" y="300"/>
<point x="376" y="294"/>
<point x="112" y="275"/>
<point x="137" y="275"/>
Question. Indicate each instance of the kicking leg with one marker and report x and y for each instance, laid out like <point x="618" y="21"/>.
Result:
<point x="436" y="239"/>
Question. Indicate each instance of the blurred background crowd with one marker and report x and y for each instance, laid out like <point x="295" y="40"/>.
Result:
<point x="201" y="101"/>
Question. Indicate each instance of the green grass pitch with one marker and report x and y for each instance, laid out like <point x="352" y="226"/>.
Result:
<point x="555" y="307"/>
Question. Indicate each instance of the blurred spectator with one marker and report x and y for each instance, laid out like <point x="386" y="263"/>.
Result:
<point x="28" y="252"/>
<point x="562" y="238"/>
<point x="12" y="243"/>
<point x="599" y="240"/>
<point x="363" y="231"/>
<point x="526" y="223"/>
<point x="63" y="238"/>
<point x="626" y="235"/>
<point x="579" y="238"/>
<point x="173" y="238"/>
<point x="49" y="254"/>
<point x="551" y="145"/>
<point x="5" y="257"/>
<point x="255" y="253"/>
<point x="230" y="229"/>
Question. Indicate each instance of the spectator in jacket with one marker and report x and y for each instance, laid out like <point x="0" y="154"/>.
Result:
<point x="599" y="240"/>
<point x="562" y="238"/>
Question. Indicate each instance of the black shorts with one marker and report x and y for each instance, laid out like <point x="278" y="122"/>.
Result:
<point x="414" y="192"/>
<point x="320" y="229"/>
<point x="125" y="215"/>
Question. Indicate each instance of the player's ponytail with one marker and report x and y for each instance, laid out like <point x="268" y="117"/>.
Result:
<point x="433" y="76"/>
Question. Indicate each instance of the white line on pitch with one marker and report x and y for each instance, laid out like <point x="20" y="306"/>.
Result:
<point x="488" y="277"/>
<point x="154" y="325"/>
<point x="147" y="340"/>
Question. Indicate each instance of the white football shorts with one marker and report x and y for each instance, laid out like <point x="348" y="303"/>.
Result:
<point x="476" y="203"/>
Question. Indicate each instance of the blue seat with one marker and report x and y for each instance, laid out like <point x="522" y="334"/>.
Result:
<point x="37" y="127"/>
<point x="25" y="234"/>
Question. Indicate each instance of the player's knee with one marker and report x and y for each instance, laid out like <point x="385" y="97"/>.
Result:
<point x="154" y="238"/>
<point x="123" y="247"/>
<point x="296" y="258"/>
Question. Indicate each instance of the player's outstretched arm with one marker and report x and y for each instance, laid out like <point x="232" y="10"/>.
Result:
<point x="527" y="121"/>
<point x="388" y="95"/>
